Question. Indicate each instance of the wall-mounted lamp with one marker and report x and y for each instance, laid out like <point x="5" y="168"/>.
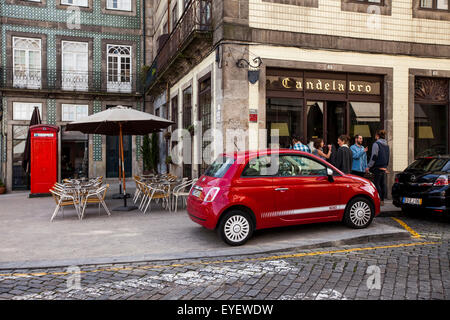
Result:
<point x="253" y="68"/>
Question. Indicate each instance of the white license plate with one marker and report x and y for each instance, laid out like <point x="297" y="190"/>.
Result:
<point x="196" y="193"/>
<point x="415" y="201"/>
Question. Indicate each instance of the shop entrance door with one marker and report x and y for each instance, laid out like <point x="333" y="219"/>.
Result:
<point x="335" y="121"/>
<point x="326" y="120"/>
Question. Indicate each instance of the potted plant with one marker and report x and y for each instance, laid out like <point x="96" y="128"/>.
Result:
<point x="169" y="160"/>
<point x="150" y="152"/>
<point x="191" y="129"/>
<point x="2" y="187"/>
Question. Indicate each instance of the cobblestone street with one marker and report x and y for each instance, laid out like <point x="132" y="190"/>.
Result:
<point x="411" y="269"/>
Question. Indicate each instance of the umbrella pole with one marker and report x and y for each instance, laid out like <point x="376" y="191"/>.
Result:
<point x="120" y="194"/>
<point x="120" y="167"/>
<point x="125" y="207"/>
<point x="122" y="164"/>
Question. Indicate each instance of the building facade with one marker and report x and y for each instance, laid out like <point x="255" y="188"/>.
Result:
<point x="69" y="58"/>
<point x="314" y="68"/>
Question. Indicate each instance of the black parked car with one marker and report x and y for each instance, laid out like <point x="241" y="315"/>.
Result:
<point x="424" y="185"/>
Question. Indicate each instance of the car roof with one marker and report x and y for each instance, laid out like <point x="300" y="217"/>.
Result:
<point x="441" y="156"/>
<point x="263" y="152"/>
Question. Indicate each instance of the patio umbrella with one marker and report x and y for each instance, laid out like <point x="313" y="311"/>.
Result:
<point x="35" y="119"/>
<point x="120" y="121"/>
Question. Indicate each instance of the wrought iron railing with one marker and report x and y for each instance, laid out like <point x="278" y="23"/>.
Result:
<point x="196" y="19"/>
<point x="62" y="80"/>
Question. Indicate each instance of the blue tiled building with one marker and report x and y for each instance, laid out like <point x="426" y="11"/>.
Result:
<point x="69" y="58"/>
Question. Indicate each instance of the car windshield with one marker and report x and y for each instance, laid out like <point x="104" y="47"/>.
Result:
<point x="219" y="167"/>
<point x="428" y="164"/>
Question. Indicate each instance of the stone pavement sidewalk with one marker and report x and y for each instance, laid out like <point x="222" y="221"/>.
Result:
<point x="29" y="239"/>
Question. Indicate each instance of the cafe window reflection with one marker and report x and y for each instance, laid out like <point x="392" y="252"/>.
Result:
<point x="20" y="178"/>
<point x="285" y="118"/>
<point x="430" y="129"/>
<point x="365" y="120"/>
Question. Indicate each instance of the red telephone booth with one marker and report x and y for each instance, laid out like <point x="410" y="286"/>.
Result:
<point x="44" y="158"/>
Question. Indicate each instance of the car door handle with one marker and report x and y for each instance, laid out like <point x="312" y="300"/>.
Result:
<point x="281" y="189"/>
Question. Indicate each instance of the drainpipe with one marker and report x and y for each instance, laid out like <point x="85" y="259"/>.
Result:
<point x="168" y="17"/>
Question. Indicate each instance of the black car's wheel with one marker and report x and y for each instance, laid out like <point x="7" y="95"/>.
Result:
<point x="236" y="227"/>
<point x="359" y="213"/>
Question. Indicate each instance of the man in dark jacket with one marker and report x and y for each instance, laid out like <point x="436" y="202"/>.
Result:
<point x="379" y="162"/>
<point x="344" y="156"/>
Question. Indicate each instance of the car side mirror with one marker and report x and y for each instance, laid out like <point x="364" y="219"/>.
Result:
<point x="330" y="175"/>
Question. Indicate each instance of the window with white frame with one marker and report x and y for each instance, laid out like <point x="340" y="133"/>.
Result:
<point x="74" y="65"/>
<point x="24" y="110"/>
<point x="119" y="68"/>
<point x="74" y="112"/>
<point x="26" y="62"/>
<point x="123" y="5"/>
<point x="80" y="3"/>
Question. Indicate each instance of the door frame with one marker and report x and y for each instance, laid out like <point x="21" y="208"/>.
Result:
<point x="325" y="118"/>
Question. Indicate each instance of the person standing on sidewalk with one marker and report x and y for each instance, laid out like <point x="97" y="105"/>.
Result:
<point x="318" y="149"/>
<point x="359" y="164"/>
<point x="378" y="164"/>
<point x="300" y="146"/>
<point x="344" y="155"/>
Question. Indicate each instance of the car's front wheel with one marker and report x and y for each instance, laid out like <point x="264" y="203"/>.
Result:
<point x="359" y="213"/>
<point x="236" y="228"/>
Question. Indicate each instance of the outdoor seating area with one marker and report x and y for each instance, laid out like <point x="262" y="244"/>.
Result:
<point x="165" y="189"/>
<point x="78" y="193"/>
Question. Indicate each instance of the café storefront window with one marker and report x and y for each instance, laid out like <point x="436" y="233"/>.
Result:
<point x="325" y="105"/>
<point x="431" y="117"/>
<point x="284" y="115"/>
<point x="20" y="178"/>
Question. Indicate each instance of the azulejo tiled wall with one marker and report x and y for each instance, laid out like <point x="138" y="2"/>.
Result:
<point x="3" y="132"/>
<point x="51" y="111"/>
<point x="97" y="139"/>
<point x="98" y="55"/>
<point x="138" y="138"/>
<point x="52" y="14"/>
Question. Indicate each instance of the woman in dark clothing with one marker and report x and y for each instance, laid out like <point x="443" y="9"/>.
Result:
<point x="344" y="156"/>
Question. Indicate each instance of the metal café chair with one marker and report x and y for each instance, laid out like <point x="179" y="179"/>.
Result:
<point x="95" y="196"/>
<point x="64" y="199"/>
<point x="180" y="191"/>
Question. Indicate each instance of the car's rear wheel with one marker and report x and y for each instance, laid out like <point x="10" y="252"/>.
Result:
<point x="236" y="228"/>
<point x="359" y="213"/>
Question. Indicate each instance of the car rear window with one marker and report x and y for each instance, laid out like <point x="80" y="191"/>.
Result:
<point x="219" y="167"/>
<point x="428" y="164"/>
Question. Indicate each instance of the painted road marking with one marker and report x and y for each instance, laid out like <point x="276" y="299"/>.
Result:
<point x="284" y="256"/>
<point x="411" y="231"/>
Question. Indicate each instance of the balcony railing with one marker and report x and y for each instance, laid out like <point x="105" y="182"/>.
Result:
<point x="79" y="81"/>
<point x="196" y="20"/>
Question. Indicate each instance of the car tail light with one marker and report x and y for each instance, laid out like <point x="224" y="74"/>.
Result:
<point x="397" y="179"/>
<point x="211" y="195"/>
<point x="441" y="181"/>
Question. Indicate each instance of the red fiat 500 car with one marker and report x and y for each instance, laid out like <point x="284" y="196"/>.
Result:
<point x="245" y="191"/>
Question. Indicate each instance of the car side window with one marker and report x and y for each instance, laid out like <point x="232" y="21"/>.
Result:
<point x="258" y="167"/>
<point x="447" y="167"/>
<point x="297" y="166"/>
